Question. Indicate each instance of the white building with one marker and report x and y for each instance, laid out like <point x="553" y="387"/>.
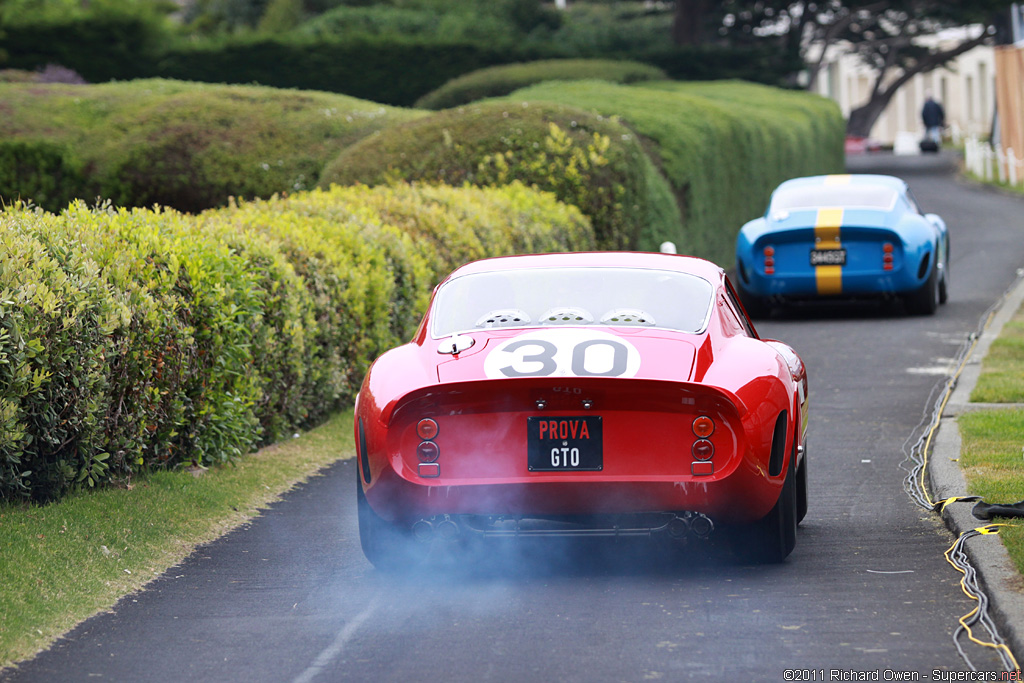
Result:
<point x="965" y="87"/>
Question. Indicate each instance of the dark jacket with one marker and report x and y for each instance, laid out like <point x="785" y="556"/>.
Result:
<point x="932" y="114"/>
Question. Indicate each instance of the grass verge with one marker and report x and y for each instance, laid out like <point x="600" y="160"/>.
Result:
<point x="992" y="454"/>
<point x="62" y="563"/>
<point x="991" y="459"/>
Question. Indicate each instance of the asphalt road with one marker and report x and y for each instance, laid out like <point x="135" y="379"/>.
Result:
<point x="290" y="597"/>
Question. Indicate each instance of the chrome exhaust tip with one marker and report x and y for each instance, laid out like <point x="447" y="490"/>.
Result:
<point x="679" y="527"/>
<point x="701" y="526"/>
<point x="423" y="531"/>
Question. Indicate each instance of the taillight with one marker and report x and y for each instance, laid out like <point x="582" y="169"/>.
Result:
<point x="703" y="427"/>
<point x="427" y="451"/>
<point x="887" y="257"/>
<point x="703" y="449"/>
<point x="427" y="429"/>
<point x="769" y="260"/>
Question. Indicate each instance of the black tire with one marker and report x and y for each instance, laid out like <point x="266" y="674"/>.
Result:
<point x="925" y="299"/>
<point x="801" y="490"/>
<point x="771" y="539"/>
<point x="386" y="546"/>
<point x="944" y="282"/>
<point x="757" y="307"/>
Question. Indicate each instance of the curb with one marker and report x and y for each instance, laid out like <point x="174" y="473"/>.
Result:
<point x="1002" y="583"/>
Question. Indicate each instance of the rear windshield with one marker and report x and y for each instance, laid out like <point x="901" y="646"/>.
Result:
<point x="538" y="297"/>
<point x="846" y="196"/>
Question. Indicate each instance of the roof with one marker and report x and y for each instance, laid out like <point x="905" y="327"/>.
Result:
<point x="596" y="259"/>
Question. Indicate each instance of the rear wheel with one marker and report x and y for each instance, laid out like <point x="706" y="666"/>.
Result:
<point x="801" y="490"/>
<point x="944" y="282"/>
<point x="771" y="539"/>
<point x="385" y="545"/>
<point x="925" y="299"/>
<point x="756" y="306"/>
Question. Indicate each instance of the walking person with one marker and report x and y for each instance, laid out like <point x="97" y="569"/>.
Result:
<point x="934" y="118"/>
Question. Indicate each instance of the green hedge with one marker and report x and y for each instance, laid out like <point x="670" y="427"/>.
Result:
<point x="184" y="145"/>
<point x="589" y="161"/>
<point x="392" y="70"/>
<point x="46" y="173"/>
<point x="723" y="146"/>
<point x="149" y="338"/>
<point x="501" y="80"/>
<point x="100" y="45"/>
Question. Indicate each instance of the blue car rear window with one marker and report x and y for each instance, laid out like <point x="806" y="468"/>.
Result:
<point x="845" y="196"/>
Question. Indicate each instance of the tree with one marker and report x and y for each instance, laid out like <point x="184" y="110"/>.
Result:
<point x="895" y="38"/>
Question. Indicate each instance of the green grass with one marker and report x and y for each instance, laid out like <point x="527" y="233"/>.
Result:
<point x="1002" y="371"/>
<point x="61" y="563"/>
<point x="992" y="458"/>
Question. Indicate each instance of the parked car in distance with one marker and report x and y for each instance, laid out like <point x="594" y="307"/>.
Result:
<point x="843" y="236"/>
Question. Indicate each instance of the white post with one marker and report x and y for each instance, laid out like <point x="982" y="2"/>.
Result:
<point x="1011" y="165"/>
<point x="986" y="155"/>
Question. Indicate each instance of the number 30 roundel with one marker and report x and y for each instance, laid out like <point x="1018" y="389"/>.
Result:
<point x="563" y="353"/>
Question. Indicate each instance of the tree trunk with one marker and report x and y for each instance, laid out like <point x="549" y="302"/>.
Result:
<point x="863" y="118"/>
<point x="688" y="22"/>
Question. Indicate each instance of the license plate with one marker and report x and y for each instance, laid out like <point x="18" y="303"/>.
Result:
<point x="564" y="444"/>
<point x="828" y="257"/>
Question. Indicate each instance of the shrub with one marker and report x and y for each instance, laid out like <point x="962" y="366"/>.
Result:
<point x="589" y="161"/>
<point x="501" y="80"/>
<point x="723" y="146"/>
<point x="149" y="338"/>
<point x="100" y="45"/>
<point x="187" y="145"/>
<point x="45" y="173"/>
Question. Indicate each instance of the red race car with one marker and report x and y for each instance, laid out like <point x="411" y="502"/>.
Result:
<point x="583" y="394"/>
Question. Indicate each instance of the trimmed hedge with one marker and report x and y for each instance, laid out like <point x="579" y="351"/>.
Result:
<point x="188" y="146"/>
<point x="496" y="81"/>
<point x="393" y="70"/>
<point x="723" y="146"/>
<point x="101" y="45"/>
<point x="587" y="160"/>
<point x="149" y="338"/>
<point x="46" y="173"/>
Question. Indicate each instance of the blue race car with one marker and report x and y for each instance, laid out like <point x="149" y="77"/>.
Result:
<point x="843" y="236"/>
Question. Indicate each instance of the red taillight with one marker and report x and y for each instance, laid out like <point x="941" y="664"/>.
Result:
<point x="769" y="260"/>
<point x="427" y="429"/>
<point x="887" y="257"/>
<point x="703" y="449"/>
<point x="703" y="427"/>
<point x="427" y="451"/>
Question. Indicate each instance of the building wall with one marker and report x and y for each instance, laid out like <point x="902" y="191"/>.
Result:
<point x="964" y="87"/>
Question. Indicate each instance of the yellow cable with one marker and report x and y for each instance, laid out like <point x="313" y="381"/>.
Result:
<point x="985" y="530"/>
<point x="942" y="408"/>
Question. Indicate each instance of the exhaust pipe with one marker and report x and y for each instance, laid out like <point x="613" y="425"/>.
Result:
<point x="423" y="531"/>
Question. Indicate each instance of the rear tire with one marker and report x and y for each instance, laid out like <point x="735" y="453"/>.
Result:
<point x="756" y="306"/>
<point x="385" y="545"/>
<point x="771" y="539"/>
<point x="801" y="490"/>
<point x="925" y="299"/>
<point x="944" y="282"/>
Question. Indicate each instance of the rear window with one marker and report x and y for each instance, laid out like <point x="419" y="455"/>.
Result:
<point x="539" y="297"/>
<point x="846" y="196"/>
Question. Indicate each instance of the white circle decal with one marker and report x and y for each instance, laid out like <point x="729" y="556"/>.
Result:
<point x="563" y="353"/>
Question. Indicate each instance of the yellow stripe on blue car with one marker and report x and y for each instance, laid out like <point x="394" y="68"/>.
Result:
<point x="826" y="236"/>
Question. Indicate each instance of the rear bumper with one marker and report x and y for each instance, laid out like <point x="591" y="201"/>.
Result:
<point x="743" y="496"/>
<point x="852" y="285"/>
